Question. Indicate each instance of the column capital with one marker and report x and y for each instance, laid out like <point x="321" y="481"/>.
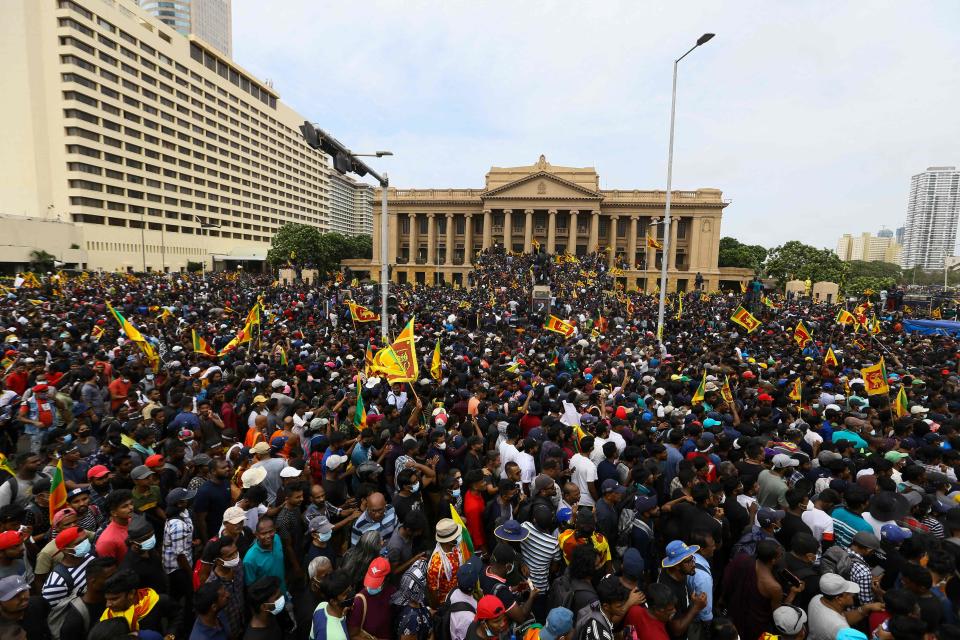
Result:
<point x="634" y="216"/>
<point x="552" y="212"/>
<point x="595" y="212"/>
<point x="614" y="216"/>
<point x="508" y="210"/>
<point x="431" y="215"/>
<point x="412" y="215"/>
<point x="528" y="211"/>
<point x="449" y="215"/>
<point x="468" y="215"/>
<point x="574" y="212"/>
<point x="486" y="211"/>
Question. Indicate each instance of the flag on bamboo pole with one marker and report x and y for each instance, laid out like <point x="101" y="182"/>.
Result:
<point x="795" y="391"/>
<point x="359" y="313"/>
<point x="875" y="379"/>
<point x="653" y="243"/>
<point x="58" y="490"/>
<point x="466" y="542"/>
<point x="745" y="319"/>
<point x="96" y="333"/>
<point x="404" y="353"/>
<point x="725" y="392"/>
<point x="845" y="317"/>
<point x="557" y="325"/>
<point x="701" y="391"/>
<point x="368" y="362"/>
<point x="831" y="358"/>
<point x="901" y="406"/>
<point x="359" y="413"/>
<point x="436" y="370"/>
<point x="801" y="336"/>
<point x="200" y="345"/>
<point x="134" y="335"/>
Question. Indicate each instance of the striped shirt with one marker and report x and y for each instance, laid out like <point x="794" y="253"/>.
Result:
<point x="846" y="525"/>
<point x="539" y="550"/>
<point x="177" y="540"/>
<point x="364" y="524"/>
<point x="64" y="581"/>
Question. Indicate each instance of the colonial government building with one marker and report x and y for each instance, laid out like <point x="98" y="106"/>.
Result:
<point x="434" y="234"/>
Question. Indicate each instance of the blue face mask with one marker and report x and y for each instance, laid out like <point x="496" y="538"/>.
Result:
<point x="149" y="543"/>
<point x="278" y="605"/>
<point x="324" y="537"/>
<point x="415" y="488"/>
<point x="67" y="439"/>
<point x="374" y="592"/>
<point x="82" y="549"/>
<point x="456" y="493"/>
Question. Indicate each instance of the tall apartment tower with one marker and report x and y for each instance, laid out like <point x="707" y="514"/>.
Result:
<point x="209" y="20"/>
<point x="932" y="214"/>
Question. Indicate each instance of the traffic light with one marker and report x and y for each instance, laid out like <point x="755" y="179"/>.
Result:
<point x="343" y="161"/>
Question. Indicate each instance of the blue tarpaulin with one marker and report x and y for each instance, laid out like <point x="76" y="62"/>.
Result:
<point x="932" y="327"/>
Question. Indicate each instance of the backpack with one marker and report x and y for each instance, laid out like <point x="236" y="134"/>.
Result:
<point x="586" y="615"/>
<point x="625" y="529"/>
<point x="562" y="592"/>
<point x="836" y="560"/>
<point x="58" y="613"/>
<point x="441" y="621"/>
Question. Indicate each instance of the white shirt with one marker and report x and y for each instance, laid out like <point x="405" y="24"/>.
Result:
<point x="508" y="453"/>
<point x="876" y="524"/>
<point x="596" y="456"/>
<point x="819" y="522"/>
<point x="584" y="472"/>
<point x="618" y="440"/>
<point x="528" y="468"/>
<point x="813" y="438"/>
<point x="397" y="400"/>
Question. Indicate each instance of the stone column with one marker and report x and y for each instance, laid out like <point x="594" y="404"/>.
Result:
<point x="468" y="239"/>
<point x="651" y="253"/>
<point x="594" y="241"/>
<point x="414" y="239"/>
<point x="572" y="243"/>
<point x="508" y="229"/>
<point x="487" y="228"/>
<point x="393" y="230"/>
<point x="377" y="258"/>
<point x="551" y="231"/>
<point x="612" y="256"/>
<point x="431" y="239"/>
<point x="528" y="230"/>
<point x="672" y="263"/>
<point x="632" y="243"/>
<point x="449" y="257"/>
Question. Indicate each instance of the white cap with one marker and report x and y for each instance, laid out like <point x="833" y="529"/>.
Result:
<point x="290" y="472"/>
<point x="335" y="461"/>
<point x="782" y="461"/>
<point x="194" y="371"/>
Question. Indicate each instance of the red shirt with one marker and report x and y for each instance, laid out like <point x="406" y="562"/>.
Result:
<point x="229" y="416"/>
<point x="113" y="542"/>
<point x="473" y="507"/>
<point x="118" y="388"/>
<point x="16" y="382"/>
<point x="528" y="423"/>
<point x="645" y="625"/>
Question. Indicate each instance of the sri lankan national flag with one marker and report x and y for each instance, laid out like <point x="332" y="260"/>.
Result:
<point x="361" y="314"/>
<point x="96" y="333"/>
<point x="743" y="287"/>
<point x="745" y="319"/>
<point x="58" y="490"/>
<point x="403" y="354"/>
<point x="653" y="243"/>
<point x="901" y="406"/>
<point x="936" y="313"/>
<point x="557" y="325"/>
<point x="701" y="391"/>
<point x="795" y="391"/>
<point x="875" y="379"/>
<point x="725" y="392"/>
<point x="359" y="413"/>
<point x="831" y="358"/>
<point x="436" y="369"/>
<point x="845" y="317"/>
<point x="134" y="335"/>
<point x="801" y="336"/>
<point x="200" y="345"/>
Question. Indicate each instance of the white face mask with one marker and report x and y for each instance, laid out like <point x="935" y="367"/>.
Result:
<point x="232" y="563"/>
<point x="442" y="446"/>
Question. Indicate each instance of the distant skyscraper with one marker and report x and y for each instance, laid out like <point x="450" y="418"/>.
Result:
<point x="878" y="248"/>
<point x="899" y="235"/>
<point x="209" y="20"/>
<point x="351" y="206"/>
<point x="885" y="233"/>
<point x="932" y="214"/>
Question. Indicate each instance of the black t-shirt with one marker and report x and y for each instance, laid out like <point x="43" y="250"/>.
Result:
<point x="402" y="505"/>
<point x="35" y="619"/>
<point x="73" y="623"/>
<point x="336" y="491"/>
<point x="679" y="590"/>
<point x="271" y="632"/>
<point x="791" y="525"/>
<point x="495" y="587"/>
<point x="149" y="570"/>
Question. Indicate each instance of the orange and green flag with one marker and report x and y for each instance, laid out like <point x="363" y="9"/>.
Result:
<point x="58" y="490"/>
<point x="360" y="413"/>
<point x="201" y="346"/>
<point x="701" y="391"/>
<point x="466" y="540"/>
<point x="901" y="406"/>
<point x="436" y="369"/>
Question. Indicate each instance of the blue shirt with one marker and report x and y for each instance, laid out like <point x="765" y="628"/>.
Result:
<point x="185" y="420"/>
<point x="857" y="441"/>
<point x="204" y="632"/>
<point x="259" y="563"/>
<point x="702" y="582"/>
<point x="326" y="627"/>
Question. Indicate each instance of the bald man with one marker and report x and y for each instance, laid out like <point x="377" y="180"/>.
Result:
<point x="378" y="516"/>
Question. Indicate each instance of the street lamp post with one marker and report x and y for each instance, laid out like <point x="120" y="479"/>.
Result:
<point x="384" y="267"/>
<point x="666" y="216"/>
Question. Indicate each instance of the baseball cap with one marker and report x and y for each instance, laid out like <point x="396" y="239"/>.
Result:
<point x="559" y="623"/>
<point x="895" y="456"/>
<point x="253" y="476"/>
<point x="179" y="495"/>
<point x="320" y="524"/>
<point x="765" y="516"/>
<point x="10" y="539"/>
<point x="782" y="461"/>
<point x="97" y="471"/>
<point x="895" y="533"/>
<point x="61" y="515"/>
<point x="789" y="620"/>
<point x="154" y="461"/>
<point x="488" y="608"/>
<point x="612" y="486"/>
<point x="67" y="537"/>
<point x="290" y="472"/>
<point x="234" y="515"/>
<point x="469" y="573"/>
<point x="377" y="573"/>
<point x="866" y="539"/>
<point x="11" y="586"/>
<point x="833" y="585"/>
<point x="141" y="472"/>
<point x="260" y="448"/>
<point x="334" y="461"/>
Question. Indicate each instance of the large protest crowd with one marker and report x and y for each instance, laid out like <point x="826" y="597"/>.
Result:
<point x="187" y="457"/>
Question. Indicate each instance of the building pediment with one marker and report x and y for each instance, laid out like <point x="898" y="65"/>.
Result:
<point x="542" y="185"/>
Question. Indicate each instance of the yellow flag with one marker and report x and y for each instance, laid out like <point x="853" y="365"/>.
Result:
<point x="745" y="319"/>
<point x="875" y="379"/>
<point x="436" y="370"/>
<point x="795" y="391"/>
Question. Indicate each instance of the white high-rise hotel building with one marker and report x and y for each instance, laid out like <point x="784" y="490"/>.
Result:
<point x="126" y="145"/>
<point x="932" y="214"/>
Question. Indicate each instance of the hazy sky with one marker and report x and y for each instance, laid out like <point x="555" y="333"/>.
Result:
<point x="810" y="116"/>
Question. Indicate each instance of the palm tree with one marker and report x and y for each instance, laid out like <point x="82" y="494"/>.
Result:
<point x="41" y="261"/>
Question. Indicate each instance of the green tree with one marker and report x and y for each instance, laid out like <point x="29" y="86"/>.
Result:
<point x="861" y="268"/>
<point x="797" y="261"/>
<point x="856" y="285"/>
<point x="41" y="261"/>
<point x="734" y="253"/>
<point x="360" y="246"/>
<point x="298" y="244"/>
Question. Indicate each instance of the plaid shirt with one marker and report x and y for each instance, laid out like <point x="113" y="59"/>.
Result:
<point x="177" y="540"/>
<point x="861" y="574"/>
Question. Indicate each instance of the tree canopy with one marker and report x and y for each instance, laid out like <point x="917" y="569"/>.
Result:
<point x="797" y="261"/>
<point x="304" y="246"/>
<point x="734" y="253"/>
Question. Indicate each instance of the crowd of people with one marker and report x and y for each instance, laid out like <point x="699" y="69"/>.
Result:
<point x="534" y="485"/>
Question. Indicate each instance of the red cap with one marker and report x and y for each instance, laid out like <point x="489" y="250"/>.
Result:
<point x="40" y="388"/>
<point x="377" y="573"/>
<point x="747" y="375"/>
<point x="67" y="537"/>
<point x="489" y="608"/>
<point x="765" y="397"/>
<point x="97" y="471"/>
<point x="10" y="539"/>
<point x="154" y="461"/>
<point x="299" y="367"/>
<point x="622" y="413"/>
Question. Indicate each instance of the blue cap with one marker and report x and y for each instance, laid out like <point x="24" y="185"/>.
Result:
<point x="894" y="533"/>
<point x="564" y="515"/>
<point x="469" y="573"/>
<point x="633" y="564"/>
<point x="559" y="622"/>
